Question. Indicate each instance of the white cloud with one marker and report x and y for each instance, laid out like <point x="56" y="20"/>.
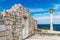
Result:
<point x="57" y="6"/>
<point x="57" y="13"/>
<point x="37" y="14"/>
<point x="37" y="10"/>
<point x="56" y="16"/>
<point x="45" y="18"/>
<point x="40" y="16"/>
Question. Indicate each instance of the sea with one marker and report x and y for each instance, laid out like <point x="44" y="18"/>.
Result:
<point x="55" y="26"/>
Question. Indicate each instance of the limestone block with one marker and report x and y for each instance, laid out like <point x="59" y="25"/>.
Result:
<point x="2" y="38"/>
<point x="2" y="34"/>
<point x="7" y="22"/>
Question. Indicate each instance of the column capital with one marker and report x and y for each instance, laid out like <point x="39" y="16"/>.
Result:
<point x="51" y="11"/>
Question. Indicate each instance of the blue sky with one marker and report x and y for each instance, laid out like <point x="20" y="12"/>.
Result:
<point x="39" y="9"/>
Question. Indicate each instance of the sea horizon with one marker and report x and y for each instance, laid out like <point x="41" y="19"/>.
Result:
<point x="55" y="26"/>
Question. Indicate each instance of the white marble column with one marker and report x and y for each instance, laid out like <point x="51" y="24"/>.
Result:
<point x="51" y="19"/>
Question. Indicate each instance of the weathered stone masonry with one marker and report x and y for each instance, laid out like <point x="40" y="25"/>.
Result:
<point x="17" y="23"/>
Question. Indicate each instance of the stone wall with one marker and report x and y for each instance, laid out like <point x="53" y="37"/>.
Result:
<point x="18" y="23"/>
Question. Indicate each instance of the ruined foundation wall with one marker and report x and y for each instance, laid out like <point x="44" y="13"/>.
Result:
<point x="15" y="21"/>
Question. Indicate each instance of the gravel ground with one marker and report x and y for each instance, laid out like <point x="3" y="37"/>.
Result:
<point x="43" y="37"/>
